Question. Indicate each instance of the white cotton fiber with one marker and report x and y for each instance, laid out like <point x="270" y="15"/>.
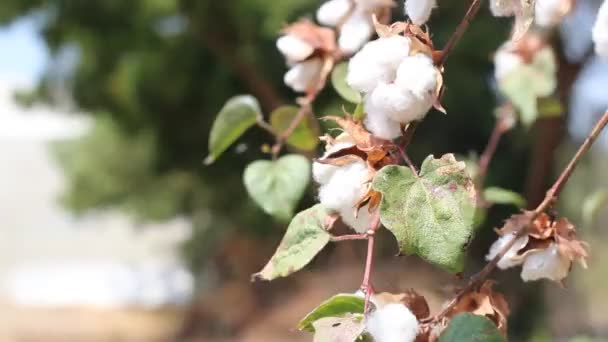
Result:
<point x="355" y="32"/>
<point x="393" y="323"/>
<point x="510" y="259"/>
<point x="294" y="48"/>
<point x="419" y="11"/>
<point x="418" y="75"/>
<point x="303" y="76"/>
<point x="548" y="263"/>
<point x="600" y="31"/>
<point x="331" y="12"/>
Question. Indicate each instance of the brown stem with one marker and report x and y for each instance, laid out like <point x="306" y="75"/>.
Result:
<point x="462" y="27"/>
<point x="349" y="237"/>
<point x="500" y="128"/>
<point x="550" y="197"/>
<point x="366" y="285"/>
<point x="409" y="133"/>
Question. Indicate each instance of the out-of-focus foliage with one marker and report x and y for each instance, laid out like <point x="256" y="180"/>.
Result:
<point x="156" y="72"/>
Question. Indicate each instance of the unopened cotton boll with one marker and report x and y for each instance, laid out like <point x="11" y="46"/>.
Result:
<point x="547" y="12"/>
<point x="393" y="323"/>
<point x="304" y="75"/>
<point x="510" y="258"/>
<point x="377" y="62"/>
<point x="294" y="48"/>
<point x="331" y="12"/>
<point x="419" y="11"/>
<point x="355" y="32"/>
<point x="548" y="263"/>
<point x="600" y="31"/>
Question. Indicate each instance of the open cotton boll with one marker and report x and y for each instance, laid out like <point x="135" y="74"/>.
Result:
<point x="377" y="62"/>
<point x="419" y="11"/>
<point x="505" y="61"/>
<point x="379" y="124"/>
<point x="393" y="323"/>
<point x="355" y="32"/>
<point x="510" y="258"/>
<point x="345" y="187"/>
<point x="600" y="31"/>
<point x="547" y="12"/>
<point x="398" y="105"/>
<point x="332" y="11"/>
<point x="304" y="75"/>
<point x="294" y="48"/>
<point x="418" y="75"/>
<point x="361" y="223"/>
<point x="548" y="263"/>
<point x="503" y="8"/>
<point x="323" y="172"/>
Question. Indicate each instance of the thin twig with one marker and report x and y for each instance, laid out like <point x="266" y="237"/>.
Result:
<point x="462" y="27"/>
<point x="500" y="128"/>
<point x="366" y="285"/>
<point x="348" y="237"/>
<point x="552" y="194"/>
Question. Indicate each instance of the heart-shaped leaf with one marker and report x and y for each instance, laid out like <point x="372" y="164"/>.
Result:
<point x="431" y="214"/>
<point x="238" y="114"/>
<point x="503" y="196"/>
<point x="277" y="186"/>
<point x="305" y="136"/>
<point x="305" y="237"/>
<point x="471" y="327"/>
<point x="338" y="80"/>
<point x="339" y="305"/>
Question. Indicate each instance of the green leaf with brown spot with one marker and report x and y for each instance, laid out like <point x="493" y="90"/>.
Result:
<point x="305" y="237"/>
<point x="338" y="329"/>
<point x="339" y="305"/>
<point x="431" y="215"/>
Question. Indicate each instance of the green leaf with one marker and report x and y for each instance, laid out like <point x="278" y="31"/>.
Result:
<point x="238" y="114"/>
<point x="503" y="196"/>
<point x="359" y="113"/>
<point x="471" y="327"/>
<point x="343" y="329"/>
<point x="338" y="80"/>
<point x="277" y="186"/>
<point x="305" y="237"/>
<point x="337" y="306"/>
<point x="592" y="205"/>
<point x="305" y="136"/>
<point x="528" y="82"/>
<point x="431" y="215"/>
<point x="549" y="107"/>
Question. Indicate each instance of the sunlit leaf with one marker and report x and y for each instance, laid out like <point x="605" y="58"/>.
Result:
<point x="305" y="136"/>
<point x="503" y="196"/>
<point x="305" y="237"/>
<point x="431" y="215"/>
<point x="277" y="186"/>
<point x="339" y="305"/>
<point x="237" y="115"/>
<point x="338" y="80"/>
<point x="471" y="327"/>
<point x="338" y="329"/>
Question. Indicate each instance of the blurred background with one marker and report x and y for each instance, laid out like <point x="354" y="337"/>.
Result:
<point x="112" y="229"/>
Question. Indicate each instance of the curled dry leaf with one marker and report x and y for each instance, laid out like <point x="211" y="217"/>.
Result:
<point x="322" y="39"/>
<point x="415" y="302"/>
<point x="484" y="302"/>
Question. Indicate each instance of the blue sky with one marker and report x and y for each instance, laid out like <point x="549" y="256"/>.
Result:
<point x="24" y="53"/>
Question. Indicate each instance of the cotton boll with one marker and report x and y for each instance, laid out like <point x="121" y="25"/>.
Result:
<point x="332" y="11"/>
<point x="361" y="223"/>
<point x="396" y="104"/>
<point x="294" y="48"/>
<point x="379" y="124"/>
<point x="510" y="258"/>
<point x="345" y="187"/>
<point x="419" y="11"/>
<point x="547" y="12"/>
<point x="548" y="263"/>
<point x="418" y="75"/>
<point x="600" y="31"/>
<point x="505" y="61"/>
<point x="322" y="173"/>
<point x="355" y="32"/>
<point x="503" y="8"/>
<point x="393" y="323"/>
<point x="377" y="62"/>
<point x="304" y="75"/>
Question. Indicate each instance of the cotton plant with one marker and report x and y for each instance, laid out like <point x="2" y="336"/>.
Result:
<point x="600" y="31"/>
<point x="391" y="75"/>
